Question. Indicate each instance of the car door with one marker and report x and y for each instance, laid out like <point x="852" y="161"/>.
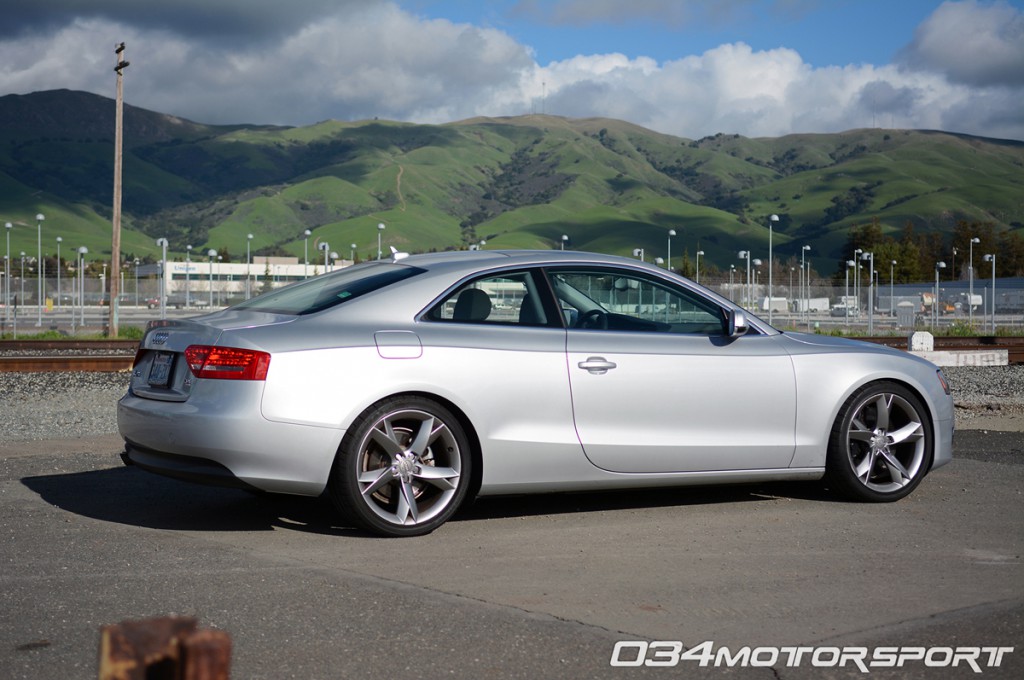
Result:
<point x="658" y="386"/>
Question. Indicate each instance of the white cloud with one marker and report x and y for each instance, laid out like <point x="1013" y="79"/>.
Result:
<point x="375" y="59"/>
<point x="971" y="43"/>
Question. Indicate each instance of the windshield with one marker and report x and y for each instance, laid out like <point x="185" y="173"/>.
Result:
<point x="329" y="290"/>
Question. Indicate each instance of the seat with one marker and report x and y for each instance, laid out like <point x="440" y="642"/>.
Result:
<point x="529" y="315"/>
<point x="472" y="304"/>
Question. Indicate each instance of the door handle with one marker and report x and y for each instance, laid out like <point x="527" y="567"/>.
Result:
<point x="597" y="365"/>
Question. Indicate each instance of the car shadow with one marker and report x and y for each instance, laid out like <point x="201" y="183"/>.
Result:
<point x="134" y="497"/>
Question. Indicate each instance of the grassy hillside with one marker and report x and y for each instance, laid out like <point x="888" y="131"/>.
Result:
<point x="519" y="182"/>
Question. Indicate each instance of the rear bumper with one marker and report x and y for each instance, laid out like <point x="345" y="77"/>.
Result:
<point x="212" y="442"/>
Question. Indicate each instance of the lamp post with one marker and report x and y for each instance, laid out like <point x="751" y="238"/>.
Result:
<point x="380" y="230"/>
<point x="188" y="268"/>
<point x="732" y="270"/>
<point x="211" y="253"/>
<point x="992" y="258"/>
<point x="82" y="250"/>
<point x="136" y="282"/>
<point x="324" y="246"/>
<point x="639" y="252"/>
<point x="771" y="223"/>
<point x="21" y="294"/>
<point x="7" y="272"/>
<point x="352" y="253"/>
<point x="806" y="282"/>
<point x="871" y="291"/>
<point x="699" y="253"/>
<point x="668" y="261"/>
<point x="756" y="282"/>
<point x="892" y="295"/>
<point x="935" y="302"/>
<point x="248" y="259"/>
<point x="856" y="276"/>
<point x="970" y="278"/>
<point x="846" y="295"/>
<point x="745" y="255"/>
<point x="39" y="269"/>
<point x="561" y="244"/>
<point x="305" y="251"/>
<point x="162" y="242"/>
<point x="59" y="239"/>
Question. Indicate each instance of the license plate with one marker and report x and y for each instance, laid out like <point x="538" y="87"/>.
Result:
<point x="160" y="371"/>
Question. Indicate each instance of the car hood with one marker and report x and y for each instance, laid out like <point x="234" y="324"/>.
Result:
<point x="818" y="343"/>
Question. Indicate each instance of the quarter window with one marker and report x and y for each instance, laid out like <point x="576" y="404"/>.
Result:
<point x="508" y="298"/>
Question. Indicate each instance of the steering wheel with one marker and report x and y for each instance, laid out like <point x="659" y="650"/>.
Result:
<point x="593" y="318"/>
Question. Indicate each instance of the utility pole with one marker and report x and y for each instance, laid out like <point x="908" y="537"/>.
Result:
<point x="115" y="246"/>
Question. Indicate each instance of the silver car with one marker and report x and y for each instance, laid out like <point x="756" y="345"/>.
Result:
<point x="406" y="386"/>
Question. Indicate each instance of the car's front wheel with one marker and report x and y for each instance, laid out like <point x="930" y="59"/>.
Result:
<point x="403" y="467"/>
<point x="881" y="444"/>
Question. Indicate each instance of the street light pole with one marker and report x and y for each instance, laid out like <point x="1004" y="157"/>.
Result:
<point x="561" y="245"/>
<point x="380" y="230"/>
<point x="82" y="250"/>
<point x="771" y="223"/>
<point x="806" y="282"/>
<point x="892" y="297"/>
<point x="248" y="259"/>
<point x="59" y="239"/>
<point x="699" y="253"/>
<point x="211" y="253"/>
<point x="7" y="273"/>
<point x="935" y="302"/>
<point x="305" y="252"/>
<point x="671" y="233"/>
<point x="162" y="242"/>
<point x="188" y="268"/>
<point x="871" y="292"/>
<point x="39" y="269"/>
<point x="745" y="255"/>
<point x="970" y="285"/>
<point x="992" y="258"/>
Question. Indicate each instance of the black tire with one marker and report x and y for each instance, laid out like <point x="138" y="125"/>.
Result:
<point x="881" y="445"/>
<point x="403" y="468"/>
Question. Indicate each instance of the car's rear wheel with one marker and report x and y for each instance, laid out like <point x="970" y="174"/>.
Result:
<point x="403" y="467"/>
<point x="881" y="444"/>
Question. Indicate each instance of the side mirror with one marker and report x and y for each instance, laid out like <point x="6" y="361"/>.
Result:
<point x="737" y="323"/>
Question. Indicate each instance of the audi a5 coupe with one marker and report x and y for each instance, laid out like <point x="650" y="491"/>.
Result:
<point x="405" y="387"/>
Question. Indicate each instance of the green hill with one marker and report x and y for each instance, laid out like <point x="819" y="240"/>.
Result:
<point x="520" y="182"/>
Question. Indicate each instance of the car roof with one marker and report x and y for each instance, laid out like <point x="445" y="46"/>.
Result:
<point x="476" y="259"/>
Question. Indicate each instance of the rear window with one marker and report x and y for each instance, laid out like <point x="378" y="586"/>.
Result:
<point x="330" y="290"/>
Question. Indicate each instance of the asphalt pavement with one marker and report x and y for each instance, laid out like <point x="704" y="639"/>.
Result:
<point x="522" y="587"/>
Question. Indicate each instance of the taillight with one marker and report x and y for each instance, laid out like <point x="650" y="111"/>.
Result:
<point x="227" y="363"/>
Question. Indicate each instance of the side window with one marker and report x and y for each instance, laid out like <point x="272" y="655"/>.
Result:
<point x="605" y="299"/>
<point x="508" y="298"/>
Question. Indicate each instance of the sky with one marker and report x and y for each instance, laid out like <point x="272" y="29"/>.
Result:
<point x="691" y="68"/>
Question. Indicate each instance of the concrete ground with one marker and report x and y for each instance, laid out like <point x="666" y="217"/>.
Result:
<point x="529" y="587"/>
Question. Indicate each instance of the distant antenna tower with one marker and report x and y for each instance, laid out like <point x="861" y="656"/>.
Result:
<point x="543" y="96"/>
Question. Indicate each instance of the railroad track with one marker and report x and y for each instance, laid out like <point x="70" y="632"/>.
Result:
<point x="28" y="356"/>
<point x="32" y="356"/>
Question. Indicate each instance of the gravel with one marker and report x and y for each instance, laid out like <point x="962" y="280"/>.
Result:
<point x="38" y="406"/>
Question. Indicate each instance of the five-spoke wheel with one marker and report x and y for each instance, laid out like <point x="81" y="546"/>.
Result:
<point x="881" y="444"/>
<point x="403" y="468"/>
